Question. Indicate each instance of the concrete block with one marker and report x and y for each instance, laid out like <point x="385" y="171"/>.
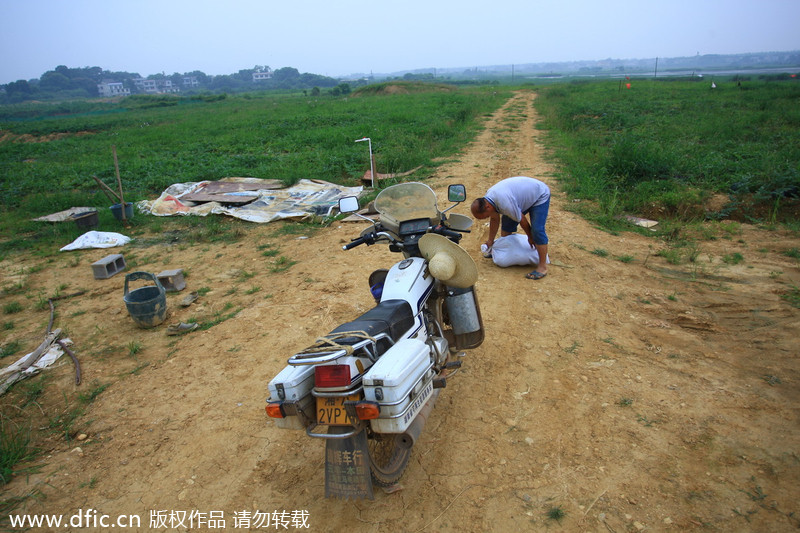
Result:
<point x="172" y="280"/>
<point x="108" y="266"/>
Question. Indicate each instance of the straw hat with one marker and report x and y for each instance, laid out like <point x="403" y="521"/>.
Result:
<point x="448" y="262"/>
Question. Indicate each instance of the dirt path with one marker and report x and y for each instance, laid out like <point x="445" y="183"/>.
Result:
<point x="623" y="391"/>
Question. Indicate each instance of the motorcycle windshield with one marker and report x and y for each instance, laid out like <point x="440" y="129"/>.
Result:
<point x="407" y="201"/>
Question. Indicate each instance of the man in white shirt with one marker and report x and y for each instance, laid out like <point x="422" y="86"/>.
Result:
<point x="505" y="205"/>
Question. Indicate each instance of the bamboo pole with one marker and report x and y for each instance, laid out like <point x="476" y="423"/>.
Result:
<point x="119" y="183"/>
<point x="112" y="195"/>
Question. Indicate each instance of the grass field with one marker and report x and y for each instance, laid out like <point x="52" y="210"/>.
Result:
<point x="668" y="146"/>
<point x="49" y="152"/>
<point x="658" y="148"/>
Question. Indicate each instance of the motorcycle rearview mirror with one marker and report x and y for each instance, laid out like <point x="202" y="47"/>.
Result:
<point x="455" y="193"/>
<point x="348" y="204"/>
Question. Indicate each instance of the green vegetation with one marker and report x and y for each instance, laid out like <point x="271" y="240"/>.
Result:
<point x="49" y="152"/>
<point x="15" y="448"/>
<point x="9" y="348"/>
<point x="556" y="513"/>
<point x="12" y="307"/>
<point x="663" y="148"/>
<point x="793" y="296"/>
<point x="74" y="83"/>
<point x="733" y="259"/>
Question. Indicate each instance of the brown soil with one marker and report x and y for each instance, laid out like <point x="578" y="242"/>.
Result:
<point x="28" y="138"/>
<point x="626" y="394"/>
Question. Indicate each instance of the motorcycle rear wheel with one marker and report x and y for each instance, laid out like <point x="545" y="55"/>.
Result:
<point x="388" y="457"/>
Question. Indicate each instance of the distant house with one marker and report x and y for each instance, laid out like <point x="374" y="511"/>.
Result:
<point x="260" y="76"/>
<point x="190" y="81"/>
<point x="156" y="86"/>
<point x="112" y="88"/>
<point x="146" y="86"/>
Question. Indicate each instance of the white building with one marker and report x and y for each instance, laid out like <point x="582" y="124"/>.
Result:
<point x="112" y="88"/>
<point x="156" y="86"/>
<point x="258" y="76"/>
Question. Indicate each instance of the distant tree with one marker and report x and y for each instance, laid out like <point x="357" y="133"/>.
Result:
<point x="18" y="91"/>
<point x="245" y="75"/>
<point x="285" y="74"/>
<point x="92" y="73"/>
<point x="202" y="77"/>
<point x="55" y="81"/>
<point x="87" y="84"/>
<point x="19" y="86"/>
<point x="311" y="80"/>
<point x="315" y="91"/>
<point x="229" y="83"/>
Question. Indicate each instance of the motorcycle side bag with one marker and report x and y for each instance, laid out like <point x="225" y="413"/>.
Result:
<point x="401" y="382"/>
<point x="293" y="386"/>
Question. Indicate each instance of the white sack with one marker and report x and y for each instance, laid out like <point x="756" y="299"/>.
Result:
<point x="514" y="250"/>
<point x="97" y="239"/>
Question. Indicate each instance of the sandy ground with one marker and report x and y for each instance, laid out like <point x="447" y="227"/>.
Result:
<point x="625" y="396"/>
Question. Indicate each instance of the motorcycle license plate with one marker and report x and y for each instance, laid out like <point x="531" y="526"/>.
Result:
<point x="331" y="412"/>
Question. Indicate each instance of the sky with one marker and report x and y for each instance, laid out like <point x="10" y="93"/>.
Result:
<point x="342" y="37"/>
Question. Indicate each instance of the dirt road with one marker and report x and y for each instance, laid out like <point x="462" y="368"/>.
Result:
<point x="620" y="393"/>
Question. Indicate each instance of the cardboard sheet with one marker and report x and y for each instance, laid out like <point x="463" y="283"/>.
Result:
<point x="306" y="198"/>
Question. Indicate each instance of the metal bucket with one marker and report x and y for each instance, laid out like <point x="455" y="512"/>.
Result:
<point x="116" y="210"/>
<point x="146" y="305"/>
<point x="85" y="220"/>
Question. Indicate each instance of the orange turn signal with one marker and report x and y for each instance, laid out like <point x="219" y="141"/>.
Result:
<point x="274" y="410"/>
<point x="367" y="410"/>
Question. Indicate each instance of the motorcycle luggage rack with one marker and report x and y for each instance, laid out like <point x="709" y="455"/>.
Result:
<point x="356" y="429"/>
<point x="321" y="355"/>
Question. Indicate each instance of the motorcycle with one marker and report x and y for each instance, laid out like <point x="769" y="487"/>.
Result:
<point x="369" y="385"/>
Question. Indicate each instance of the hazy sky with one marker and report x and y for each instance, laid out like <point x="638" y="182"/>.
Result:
<point x="341" y="37"/>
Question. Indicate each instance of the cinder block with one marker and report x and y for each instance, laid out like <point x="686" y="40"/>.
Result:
<point x="108" y="266"/>
<point x="172" y="280"/>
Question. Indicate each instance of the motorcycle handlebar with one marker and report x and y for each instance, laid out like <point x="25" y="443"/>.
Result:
<point x="354" y="243"/>
<point x="371" y="238"/>
<point x="441" y="230"/>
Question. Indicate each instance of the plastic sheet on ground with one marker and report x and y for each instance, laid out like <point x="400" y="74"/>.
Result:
<point x="306" y="198"/>
<point x="14" y="372"/>
<point x="97" y="239"/>
<point x="49" y="357"/>
<point x="65" y="215"/>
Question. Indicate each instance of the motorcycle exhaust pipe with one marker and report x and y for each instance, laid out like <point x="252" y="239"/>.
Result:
<point x="412" y="433"/>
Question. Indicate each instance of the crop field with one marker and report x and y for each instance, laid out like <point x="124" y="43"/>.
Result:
<point x="49" y="153"/>
<point x="675" y="144"/>
<point x="655" y="149"/>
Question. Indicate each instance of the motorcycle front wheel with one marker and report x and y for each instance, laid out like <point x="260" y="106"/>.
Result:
<point x="388" y="457"/>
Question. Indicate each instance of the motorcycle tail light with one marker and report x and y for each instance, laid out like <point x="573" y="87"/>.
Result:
<point x="326" y="377"/>
<point x="275" y="410"/>
<point x="367" y="410"/>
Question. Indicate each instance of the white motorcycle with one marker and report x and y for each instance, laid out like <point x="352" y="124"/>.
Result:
<point x="368" y="386"/>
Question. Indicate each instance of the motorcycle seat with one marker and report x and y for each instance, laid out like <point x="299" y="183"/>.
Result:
<point x="392" y="317"/>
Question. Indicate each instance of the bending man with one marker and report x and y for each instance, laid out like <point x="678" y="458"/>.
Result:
<point x="505" y="205"/>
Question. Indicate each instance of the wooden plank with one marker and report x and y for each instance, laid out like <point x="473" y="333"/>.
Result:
<point x="216" y="187"/>
<point x="199" y="197"/>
